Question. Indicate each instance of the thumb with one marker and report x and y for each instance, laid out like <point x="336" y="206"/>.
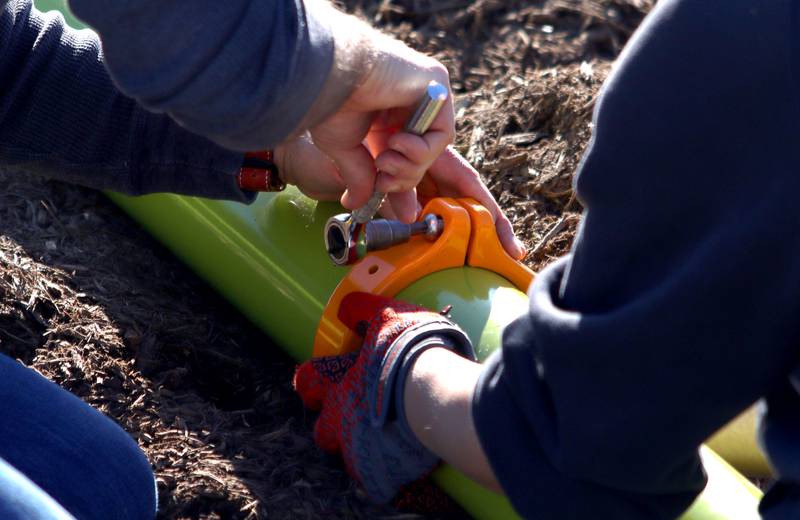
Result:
<point x="302" y="164"/>
<point x="357" y="170"/>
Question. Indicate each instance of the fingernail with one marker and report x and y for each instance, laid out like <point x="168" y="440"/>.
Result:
<point x="346" y="200"/>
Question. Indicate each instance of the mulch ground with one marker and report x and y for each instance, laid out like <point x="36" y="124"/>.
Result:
<point x="95" y="304"/>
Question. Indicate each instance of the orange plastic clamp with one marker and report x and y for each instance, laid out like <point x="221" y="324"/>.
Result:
<point x="389" y="271"/>
<point x="486" y="251"/>
<point x="469" y="238"/>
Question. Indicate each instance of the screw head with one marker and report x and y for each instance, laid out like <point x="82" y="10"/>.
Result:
<point x="433" y="226"/>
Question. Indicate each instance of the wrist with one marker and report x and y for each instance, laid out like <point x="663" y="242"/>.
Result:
<point x="438" y="407"/>
<point x="258" y="172"/>
<point x="441" y="378"/>
<point x="438" y="388"/>
<point x="394" y="365"/>
<point x="353" y="56"/>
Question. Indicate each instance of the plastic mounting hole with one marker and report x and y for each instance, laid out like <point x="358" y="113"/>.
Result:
<point x="373" y="269"/>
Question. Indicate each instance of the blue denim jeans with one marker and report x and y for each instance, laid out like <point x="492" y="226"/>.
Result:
<point x="60" y="458"/>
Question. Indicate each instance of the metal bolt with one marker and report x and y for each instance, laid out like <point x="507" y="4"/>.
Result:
<point x="384" y="233"/>
<point x="348" y="242"/>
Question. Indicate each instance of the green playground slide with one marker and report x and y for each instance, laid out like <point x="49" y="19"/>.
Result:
<point x="269" y="260"/>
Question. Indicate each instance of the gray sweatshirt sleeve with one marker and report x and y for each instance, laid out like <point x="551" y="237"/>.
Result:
<point x="242" y="72"/>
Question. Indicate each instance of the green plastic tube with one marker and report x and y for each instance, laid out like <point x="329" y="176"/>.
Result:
<point x="269" y="260"/>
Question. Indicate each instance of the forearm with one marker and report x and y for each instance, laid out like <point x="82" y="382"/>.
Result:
<point x="353" y="55"/>
<point x="438" y="407"/>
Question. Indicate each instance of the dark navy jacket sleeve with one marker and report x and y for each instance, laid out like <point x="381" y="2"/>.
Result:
<point x="679" y="304"/>
<point x="62" y="116"/>
<point x="242" y="72"/>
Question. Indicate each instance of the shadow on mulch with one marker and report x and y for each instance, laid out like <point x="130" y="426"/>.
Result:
<point x="93" y="303"/>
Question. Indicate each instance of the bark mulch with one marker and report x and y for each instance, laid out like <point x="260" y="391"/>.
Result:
<point x="93" y="303"/>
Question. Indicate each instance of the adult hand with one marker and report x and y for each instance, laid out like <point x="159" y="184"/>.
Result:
<point x="374" y="86"/>
<point x="360" y="395"/>
<point x="302" y="164"/>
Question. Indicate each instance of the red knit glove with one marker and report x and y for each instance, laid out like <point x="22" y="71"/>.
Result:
<point x="360" y="395"/>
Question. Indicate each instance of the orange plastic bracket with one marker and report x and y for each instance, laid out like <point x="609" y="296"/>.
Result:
<point x="486" y="251"/>
<point x="389" y="271"/>
<point x="469" y="238"/>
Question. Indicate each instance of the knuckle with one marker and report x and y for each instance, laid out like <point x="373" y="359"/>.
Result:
<point x="404" y="183"/>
